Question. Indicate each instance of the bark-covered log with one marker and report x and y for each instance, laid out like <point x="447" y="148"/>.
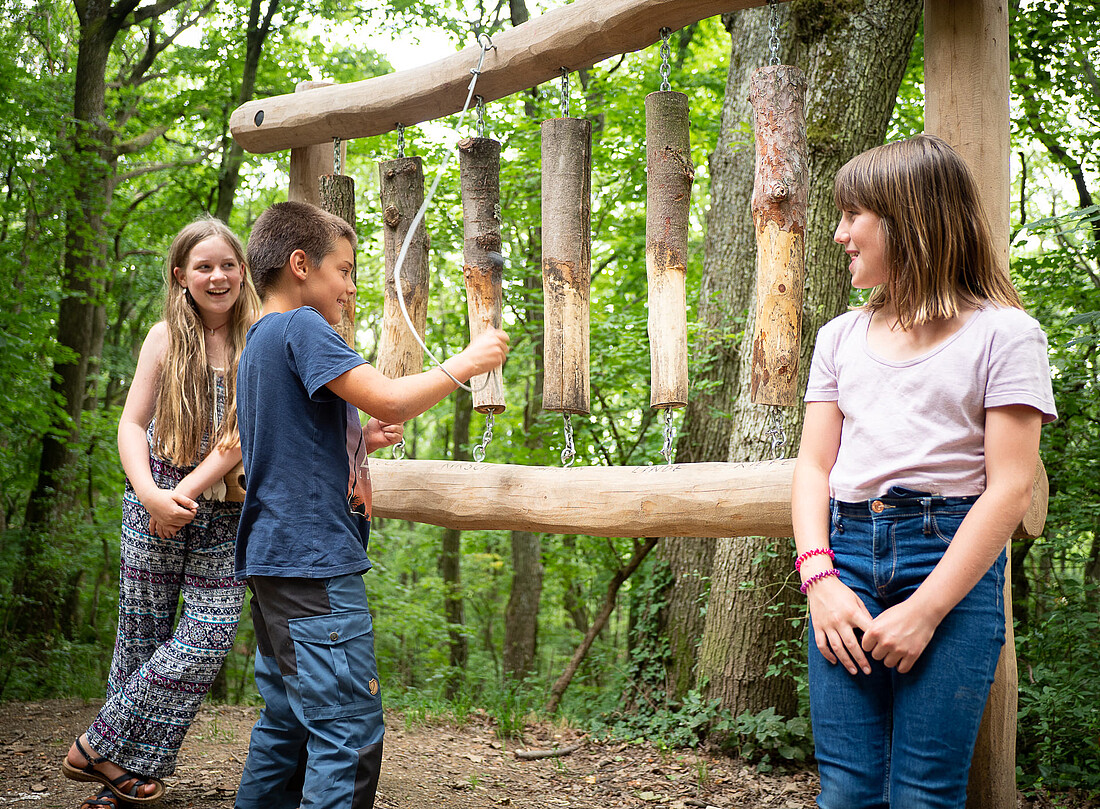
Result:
<point x="337" y="193"/>
<point x="566" y="253"/>
<point x="402" y="182"/>
<point x="695" y="500"/>
<point x="780" y="193"/>
<point x="483" y="263"/>
<point x="669" y="176"/>
<point x="573" y="36"/>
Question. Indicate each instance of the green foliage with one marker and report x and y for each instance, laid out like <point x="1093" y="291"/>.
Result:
<point x="1059" y="709"/>
<point x="768" y="738"/>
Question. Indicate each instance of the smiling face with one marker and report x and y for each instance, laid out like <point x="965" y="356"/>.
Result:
<point x="330" y="286"/>
<point x="863" y="237"/>
<point x="213" y="275"/>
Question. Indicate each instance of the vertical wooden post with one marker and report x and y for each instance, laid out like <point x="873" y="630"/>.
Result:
<point x="669" y="176"/>
<point x="566" y="253"/>
<point x="402" y="181"/>
<point x="779" y="198"/>
<point x="307" y="163"/>
<point x="967" y="104"/>
<point x="483" y="264"/>
<point x="337" y="196"/>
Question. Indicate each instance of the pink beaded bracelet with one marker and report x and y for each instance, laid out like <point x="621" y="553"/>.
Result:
<point x="824" y="574"/>
<point x="813" y="552"/>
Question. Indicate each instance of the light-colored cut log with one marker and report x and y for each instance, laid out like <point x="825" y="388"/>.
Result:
<point x="779" y="198"/>
<point x="402" y="182"/>
<point x="572" y="36"/>
<point x="566" y="255"/>
<point x="701" y="500"/>
<point x="967" y="104"/>
<point x="675" y="500"/>
<point x="483" y="263"/>
<point x="669" y="176"/>
<point x="337" y="192"/>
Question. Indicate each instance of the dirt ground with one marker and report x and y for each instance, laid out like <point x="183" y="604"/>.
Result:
<point x="436" y="767"/>
<point x="423" y="768"/>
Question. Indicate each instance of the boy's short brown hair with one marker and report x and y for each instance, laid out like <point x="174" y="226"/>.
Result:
<point x="286" y="227"/>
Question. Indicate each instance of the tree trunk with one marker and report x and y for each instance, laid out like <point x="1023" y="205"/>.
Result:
<point x="521" y="615"/>
<point x="450" y="559"/>
<point x="229" y="178"/>
<point x="855" y="66"/>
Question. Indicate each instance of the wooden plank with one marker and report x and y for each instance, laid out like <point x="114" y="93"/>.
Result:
<point x="572" y="37"/>
<point x="967" y="104"/>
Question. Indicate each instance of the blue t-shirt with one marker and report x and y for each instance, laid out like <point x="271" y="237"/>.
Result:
<point x="306" y="508"/>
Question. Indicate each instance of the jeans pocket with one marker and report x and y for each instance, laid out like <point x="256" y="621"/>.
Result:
<point x="337" y="673"/>
<point x="944" y="525"/>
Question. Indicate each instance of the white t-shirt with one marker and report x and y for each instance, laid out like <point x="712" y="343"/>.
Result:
<point x="920" y="423"/>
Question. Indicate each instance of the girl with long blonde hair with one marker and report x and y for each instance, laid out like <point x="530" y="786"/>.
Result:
<point x="177" y="440"/>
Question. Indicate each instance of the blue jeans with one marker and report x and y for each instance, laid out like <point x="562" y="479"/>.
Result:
<point x="905" y="740"/>
<point x="318" y="741"/>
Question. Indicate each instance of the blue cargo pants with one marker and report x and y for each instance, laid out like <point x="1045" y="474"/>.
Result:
<point x="318" y="741"/>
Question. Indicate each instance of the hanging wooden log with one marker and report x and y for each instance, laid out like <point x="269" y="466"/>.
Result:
<point x="337" y="192"/>
<point x="669" y="175"/>
<point x="566" y="252"/>
<point x="402" y="181"/>
<point x="483" y="263"/>
<point x="575" y="36"/>
<point x="695" y="499"/>
<point x="779" y="198"/>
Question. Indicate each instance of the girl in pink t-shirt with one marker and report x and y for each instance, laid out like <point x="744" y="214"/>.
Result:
<point x="918" y="453"/>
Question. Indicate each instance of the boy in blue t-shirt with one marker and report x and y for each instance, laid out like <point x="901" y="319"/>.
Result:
<point x="304" y="527"/>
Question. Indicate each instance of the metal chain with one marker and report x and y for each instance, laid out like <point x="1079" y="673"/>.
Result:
<point x="570" y="451"/>
<point x="399" y="450"/>
<point x="400" y="140"/>
<point x="666" y="68"/>
<point x="486" y="437"/>
<point x="773" y="32"/>
<point x="480" y="119"/>
<point x="670" y="434"/>
<point x="337" y="162"/>
<point x="775" y="432"/>
<point x="564" y="93"/>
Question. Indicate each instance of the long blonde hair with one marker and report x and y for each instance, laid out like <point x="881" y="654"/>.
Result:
<point x="185" y="404"/>
<point x="939" y="251"/>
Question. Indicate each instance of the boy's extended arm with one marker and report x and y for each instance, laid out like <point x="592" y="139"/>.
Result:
<point x="398" y="400"/>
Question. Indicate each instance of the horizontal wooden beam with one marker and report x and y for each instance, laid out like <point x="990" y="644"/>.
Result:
<point x="573" y="37"/>
<point x="695" y="500"/>
<point x="667" y="500"/>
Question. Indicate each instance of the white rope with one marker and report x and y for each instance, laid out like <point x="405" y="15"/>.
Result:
<point x="486" y="46"/>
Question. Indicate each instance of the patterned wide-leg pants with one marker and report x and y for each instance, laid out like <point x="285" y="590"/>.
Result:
<point x="162" y="668"/>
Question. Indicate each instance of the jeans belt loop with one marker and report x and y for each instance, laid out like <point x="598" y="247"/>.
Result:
<point x="926" y="507"/>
